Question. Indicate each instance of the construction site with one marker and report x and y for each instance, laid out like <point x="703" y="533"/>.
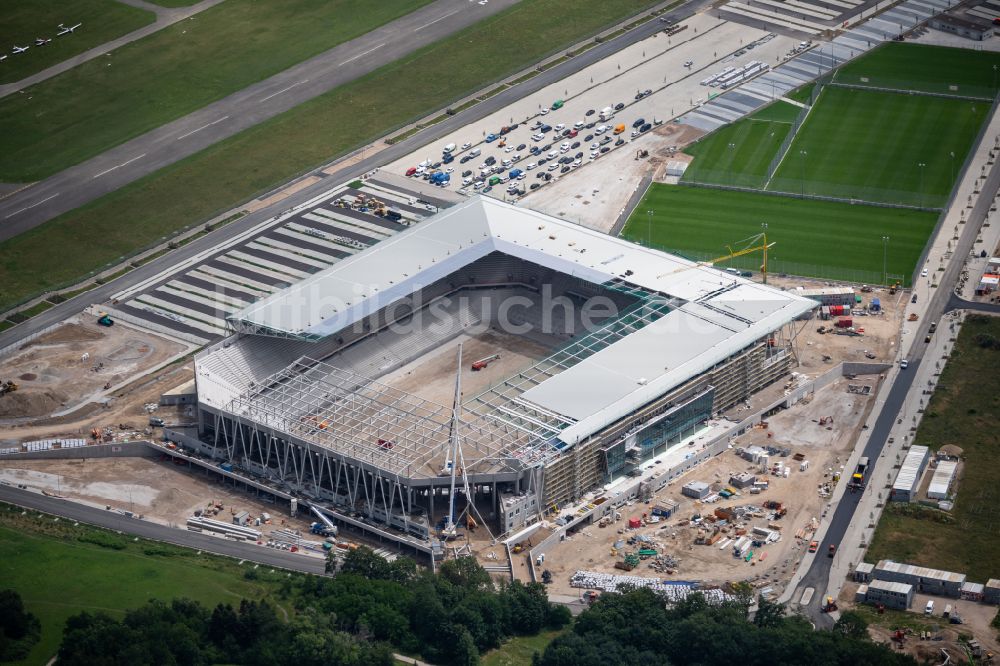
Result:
<point x="747" y="514"/>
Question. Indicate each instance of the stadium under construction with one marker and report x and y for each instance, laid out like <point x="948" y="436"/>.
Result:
<point x="634" y="350"/>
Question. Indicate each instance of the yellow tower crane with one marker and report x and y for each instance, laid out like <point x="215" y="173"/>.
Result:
<point x="756" y="243"/>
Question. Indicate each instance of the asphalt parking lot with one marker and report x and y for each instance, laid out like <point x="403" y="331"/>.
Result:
<point x="669" y="68"/>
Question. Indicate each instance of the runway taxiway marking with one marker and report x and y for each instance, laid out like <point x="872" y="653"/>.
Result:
<point x="360" y="55"/>
<point x="182" y="136"/>
<point x="440" y="18"/>
<point x="118" y="166"/>
<point x="283" y="90"/>
<point x="32" y="205"/>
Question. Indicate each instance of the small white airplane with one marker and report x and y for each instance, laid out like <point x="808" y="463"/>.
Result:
<point x="63" y="30"/>
<point x="3" y="57"/>
<point x="41" y="41"/>
<point x="20" y="49"/>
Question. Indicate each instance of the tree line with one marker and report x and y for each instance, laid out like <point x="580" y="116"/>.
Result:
<point x="638" y="627"/>
<point x="369" y="609"/>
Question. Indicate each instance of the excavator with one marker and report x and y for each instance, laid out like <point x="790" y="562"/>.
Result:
<point x="8" y="386"/>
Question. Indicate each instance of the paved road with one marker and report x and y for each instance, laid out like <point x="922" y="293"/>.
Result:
<point x="165" y="16"/>
<point x="142" y="528"/>
<point x="944" y="299"/>
<point x="389" y="154"/>
<point x="185" y="136"/>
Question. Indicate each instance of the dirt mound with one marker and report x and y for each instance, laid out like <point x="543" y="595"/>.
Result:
<point x="22" y="404"/>
<point x="66" y="333"/>
<point x="28" y="377"/>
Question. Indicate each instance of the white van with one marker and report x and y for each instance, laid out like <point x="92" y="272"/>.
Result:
<point x="579" y="125"/>
<point x="929" y="608"/>
<point x="449" y="148"/>
<point x="475" y="152"/>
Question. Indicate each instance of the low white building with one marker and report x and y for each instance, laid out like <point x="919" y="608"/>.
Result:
<point x="941" y="482"/>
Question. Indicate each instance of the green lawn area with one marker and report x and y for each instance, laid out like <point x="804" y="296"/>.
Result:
<point x="963" y="411"/>
<point x="923" y="67"/>
<point x="803" y="94"/>
<point x="813" y="238"/>
<point x="22" y="21"/>
<point x="518" y="650"/>
<point x="174" y="3"/>
<point x="869" y="145"/>
<point x="739" y="153"/>
<point x="59" y="575"/>
<point x="101" y="103"/>
<point x="232" y="171"/>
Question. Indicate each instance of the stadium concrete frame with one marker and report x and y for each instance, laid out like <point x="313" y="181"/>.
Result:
<point x="636" y="349"/>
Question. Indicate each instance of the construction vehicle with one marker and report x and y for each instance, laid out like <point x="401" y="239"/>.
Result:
<point x="103" y="319"/>
<point x="470" y="523"/>
<point x="826" y="420"/>
<point x="483" y="362"/>
<point x="858" y="478"/>
<point x="639" y="154"/>
<point x="546" y="576"/>
<point x="829" y="605"/>
<point x="323" y="530"/>
<point x="8" y="386"/>
<point x="755" y="243"/>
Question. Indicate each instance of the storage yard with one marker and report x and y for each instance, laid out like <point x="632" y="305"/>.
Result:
<point x="785" y="513"/>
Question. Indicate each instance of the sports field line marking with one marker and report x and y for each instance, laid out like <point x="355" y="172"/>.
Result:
<point x="32" y="206"/>
<point x="118" y="166"/>
<point x="360" y="55"/>
<point x="182" y="136"/>
<point x="283" y="90"/>
<point x="440" y="18"/>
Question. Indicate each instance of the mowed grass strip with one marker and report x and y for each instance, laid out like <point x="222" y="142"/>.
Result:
<point x="22" y="21"/>
<point x="963" y="411"/>
<point x="101" y="103"/>
<point x="835" y="236"/>
<point x="739" y="154"/>
<point x="73" y="245"/>
<point x="938" y="69"/>
<point x="58" y="575"/>
<point x="869" y="145"/>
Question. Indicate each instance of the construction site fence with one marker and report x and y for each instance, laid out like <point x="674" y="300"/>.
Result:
<point x="141" y="449"/>
<point x="153" y="326"/>
<point x="637" y="195"/>
<point x="861" y="80"/>
<point x="959" y="178"/>
<point x="785" y="183"/>
<point x="11" y="348"/>
<point x="792" y="133"/>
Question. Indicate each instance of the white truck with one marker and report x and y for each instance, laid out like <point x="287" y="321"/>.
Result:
<point x="607" y="113"/>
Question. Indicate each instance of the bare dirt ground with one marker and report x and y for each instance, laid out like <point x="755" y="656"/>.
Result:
<point x="775" y="563"/>
<point x="432" y="376"/>
<point x="595" y="194"/>
<point x="881" y="331"/>
<point x="72" y="364"/>
<point x="159" y="491"/>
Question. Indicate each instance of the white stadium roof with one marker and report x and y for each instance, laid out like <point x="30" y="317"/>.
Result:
<point x="712" y="314"/>
<point x="363" y="283"/>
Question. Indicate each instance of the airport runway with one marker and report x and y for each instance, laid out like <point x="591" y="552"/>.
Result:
<point x="102" y="293"/>
<point x="143" y="528"/>
<point x="196" y="131"/>
<point x="818" y="575"/>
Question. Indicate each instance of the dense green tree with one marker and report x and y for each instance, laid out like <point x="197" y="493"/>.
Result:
<point x="19" y="629"/>
<point x="639" y="627"/>
<point x="851" y="624"/>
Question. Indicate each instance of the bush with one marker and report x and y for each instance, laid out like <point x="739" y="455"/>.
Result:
<point x="356" y="184"/>
<point x="103" y="539"/>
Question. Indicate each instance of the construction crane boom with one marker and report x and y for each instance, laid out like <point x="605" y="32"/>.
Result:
<point x="764" y="246"/>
